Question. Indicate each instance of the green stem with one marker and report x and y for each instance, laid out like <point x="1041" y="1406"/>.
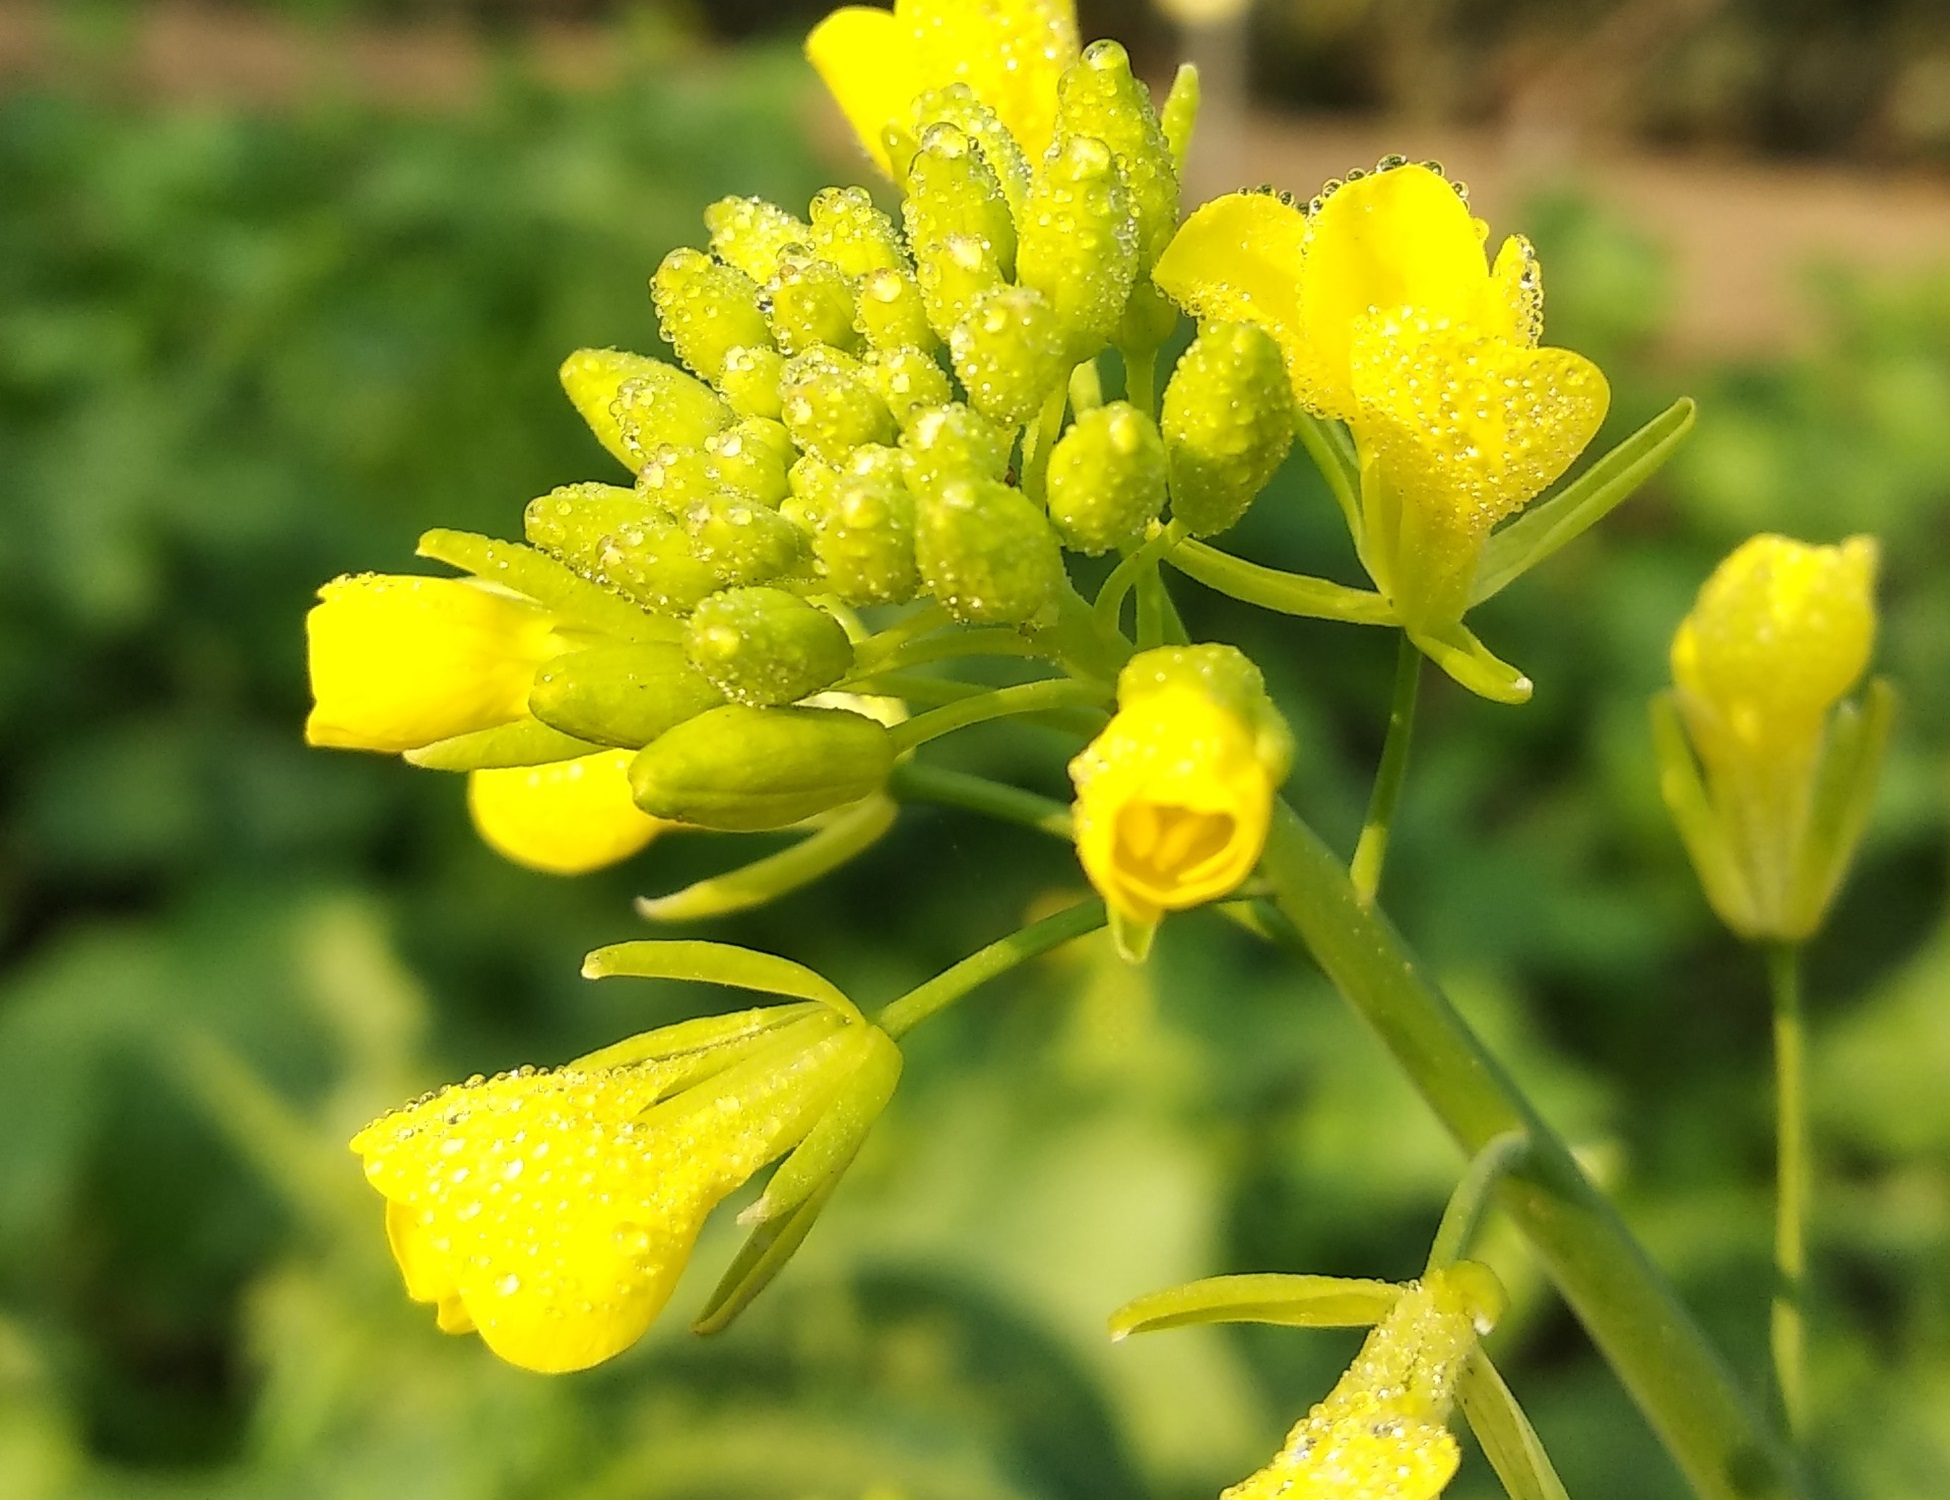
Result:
<point x="1124" y="577"/>
<point x="877" y="648"/>
<point x="978" y="968"/>
<point x="1141" y="379"/>
<point x="1471" y="1198"/>
<point x="1372" y="850"/>
<point x="1286" y="593"/>
<point x="1788" y="1329"/>
<point x="1023" y="698"/>
<point x="1705" y="1420"/>
<point x="917" y="781"/>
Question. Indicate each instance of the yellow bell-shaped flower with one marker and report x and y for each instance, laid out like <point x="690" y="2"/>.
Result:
<point x="1779" y="636"/>
<point x="398" y="662"/>
<point x="1009" y="52"/>
<point x="565" y="818"/>
<point x="1174" y="798"/>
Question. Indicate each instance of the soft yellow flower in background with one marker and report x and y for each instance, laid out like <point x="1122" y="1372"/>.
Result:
<point x="1011" y="53"/>
<point x="398" y="662"/>
<point x="566" y="818"/>
<point x="1175" y="796"/>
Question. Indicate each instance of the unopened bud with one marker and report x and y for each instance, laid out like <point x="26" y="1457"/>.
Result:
<point x="1106" y="479"/>
<point x="763" y="646"/>
<point x="1009" y="353"/>
<point x="749" y="233"/>
<point x="742" y="541"/>
<point x="706" y="309"/>
<point x="958" y="105"/>
<point x="908" y="380"/>
<point x="742" y="770"/>
<point x="952" y="191"/>
<point x="752" y="457"/>
<point x="949" y="443"/>
<point x="863" y="539"/>
<point x="830" y="406"/>
<point x="673" y="479"/>
<point x="986" y="552"/>
<point x="1228" y="422"/>
<point x="854" y="235"/>
<point x="811" y="302"/>
<point x="621" y="695"/>
<point x="890" y="312"/>
<point x="616" y="538"/>
<point x="635" y="404"/>
<point x="1079" y="242"/>
<point x="749" y="380"/>
<point x="954" y="275"/>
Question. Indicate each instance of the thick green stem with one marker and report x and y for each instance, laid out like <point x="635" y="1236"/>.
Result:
<point x="1788" y="1329"/>
<point x="1707" y="1423"/>
<point x="978" y="968"/>
<point x="1372" y="850"/>
<point x="1023" y="698"/>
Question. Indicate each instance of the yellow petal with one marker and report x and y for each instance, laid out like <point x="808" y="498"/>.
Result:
<point x="867" y="60"/>
<point x="1519" y="294"/>
<point x="398" y="662"/>
<point x="1012" y="53"/>
<point x="565" y="818"/>
<point x="1237" y="260"/>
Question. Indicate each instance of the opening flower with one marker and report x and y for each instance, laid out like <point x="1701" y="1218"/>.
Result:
<point x="566" y="818"/>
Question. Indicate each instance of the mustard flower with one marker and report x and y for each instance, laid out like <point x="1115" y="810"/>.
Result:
<point x="399" y="662"/>
<point x="1010" y="53"/>
<point x="553" y="1211"/>
<point x="1174" y="798"/>
<point x="1780" y="635"/>
<point x="565" y="818"/>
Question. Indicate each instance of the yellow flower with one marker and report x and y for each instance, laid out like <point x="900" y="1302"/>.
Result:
<point x="399" y="662"/>
<point x="1009" y="52"/>
<point x="1382" y="1432"/>
<point x="1175" y="796"/>
<point x="1780" y="634"/>
<point x="566" y="818"/>
<point x="554" y="1211"/>
<point x="1394" y="320"/>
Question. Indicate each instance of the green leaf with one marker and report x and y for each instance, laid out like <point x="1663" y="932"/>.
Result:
<point x="1292" y="1301"/>
<point x="1580" y="505"/>
<point x="704" y="1033"/>
<point x="526" y="742"/>
<point x="1466" y="659"/>
<point x="1693" y="814"/>
<point x="1844" y="795"/>
<point x="853" y="830"/>
<point x="1270" y="588"/>
<point x="717" y="963"/>
<point x="552" y="584"/>
<point x="1508" y="1440"/>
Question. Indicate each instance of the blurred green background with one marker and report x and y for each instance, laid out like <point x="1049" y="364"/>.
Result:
<point x="245" y="347"/>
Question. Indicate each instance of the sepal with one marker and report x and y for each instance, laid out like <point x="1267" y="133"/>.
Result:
<point x="1456" y="650"/>
<point x="716" y="963"/>
<point x="575" y="601"/>
<point x="1504" y="1433"/>
<point x="526" y="742"/>
<point x="1844" y="795"/>
<point x="850" y="832"/>
<point x="620" y="695"/>
<point x="1289" y="1301"/>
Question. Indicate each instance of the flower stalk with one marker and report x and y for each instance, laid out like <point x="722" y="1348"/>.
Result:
<point x="1372" y="849"/>
<point x="1787" y="1325"/>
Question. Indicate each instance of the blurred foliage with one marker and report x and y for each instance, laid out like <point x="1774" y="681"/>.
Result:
<point x="241" y="353"/>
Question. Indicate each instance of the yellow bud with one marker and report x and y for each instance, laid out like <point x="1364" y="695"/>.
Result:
<point x="398" y="662"/>
<point x="565" y="818"/>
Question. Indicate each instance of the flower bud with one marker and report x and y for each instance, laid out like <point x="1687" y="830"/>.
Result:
<point x="863" y="539"/>
<point x="950" y="443"/>
<point x="749" y="380"/>
<point x="705" y="309"/>
<point x="740" y="769"/>
<point x="1174" y="798"/>
<point x="952" y="192"/>
<point x="854" y="235"/>
<point x="620" y="695"/>
<point x="890" y="312"/>
<point x="957" y="105"/>
<point x="986" y="552"/>
<point x="752" y="457"/>
<point x="954" y="274"/>
<point x="1009" y="353"/>
<point x="401" y="662"/>
<point x="565" y="818"/>
<point x="635" y="404"/>
<point x="749" y="233"/>
<point x="673" y="479"/>
<point x="742" y="541"/>
<point x="1228" y="422"/>
<point x="618" y="539"/>
<point x="1080" y="242"/>
<point x="811" y="304"/>
<point x="830" y="406"/>
<point x="907" y="380"/>
<point x="764" y="646"/>
<point x="1106" y="479"/>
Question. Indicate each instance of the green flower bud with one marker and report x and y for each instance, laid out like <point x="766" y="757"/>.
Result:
<point x="950" y="443"/>
<point x="811" y="303"/>
<point x="634" y="403"/>
<point x="954" y="275"/>
<point x="830" y="406"/>
<point x="1106" y="479"/>
<point x="1080" y="241"/>
<point x="1228" y="422"/>
<point x="742" y="541"/>
<point x="907" y="380"/>
<point x="615" y="537"/>
<point x="874" y="461"/>
<point x="672" y="479"/>
<point x="1009" y="353"/>
<point x="811" y="481"/>
<point x="986" y="552"/>
<point x="620" y="695"/>
<point x="749" y="380"/>
<point x="764" y="646"/>
<point x="854" y="235"/>
<point x="752" y="457"/>
<point x="743" y="770"/>
<point x="890" y="312"/>
<point x="705" y="309"/>
<point x="952" y="191"/>
<point x="958" y="105"/>
<point x="749" y="233"/>
<point x="863" y="539"/>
